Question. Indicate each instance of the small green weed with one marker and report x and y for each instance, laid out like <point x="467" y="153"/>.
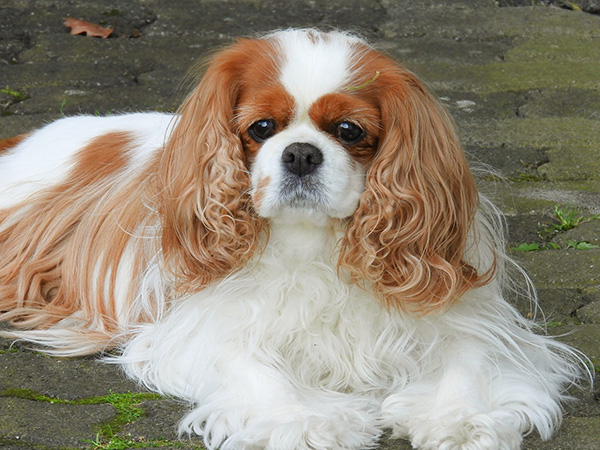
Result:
<point x="15" y="95"/>
<point x="536" y="247"/>
<point x="525" y="247"/>
<point x="565" y="218"/>
<point x="581" y="245"/>
<point x="569" y="217"/>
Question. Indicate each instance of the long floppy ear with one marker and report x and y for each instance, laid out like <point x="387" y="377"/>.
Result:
<point x="209" y="229"/>
<point x="409" y="234"/>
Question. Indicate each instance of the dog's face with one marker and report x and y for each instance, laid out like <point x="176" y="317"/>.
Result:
<point x="307" y="137"/>
<point x="305" y="169"/>
<point x="308" y="126"/>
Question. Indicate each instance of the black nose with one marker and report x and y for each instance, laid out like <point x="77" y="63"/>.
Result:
<point x="301" y="158"/>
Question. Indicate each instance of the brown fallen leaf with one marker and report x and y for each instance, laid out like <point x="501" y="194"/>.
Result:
<point x="89" y="29"/>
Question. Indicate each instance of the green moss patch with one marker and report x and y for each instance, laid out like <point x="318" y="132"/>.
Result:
<point x="125" y="404"/>
<point x="120" y="443"/>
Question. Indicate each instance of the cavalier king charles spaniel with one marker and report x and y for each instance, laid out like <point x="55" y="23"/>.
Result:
<point x="300" y="253"/>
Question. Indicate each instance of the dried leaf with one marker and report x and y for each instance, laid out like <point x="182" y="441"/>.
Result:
<point x="89" y="29"/>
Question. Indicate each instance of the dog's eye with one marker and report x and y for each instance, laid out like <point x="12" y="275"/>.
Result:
<point x="349" y="133"/>
<point x="262" y="130"/>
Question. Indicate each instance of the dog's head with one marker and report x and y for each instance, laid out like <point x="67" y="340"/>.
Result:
<point x="303" y="125"/>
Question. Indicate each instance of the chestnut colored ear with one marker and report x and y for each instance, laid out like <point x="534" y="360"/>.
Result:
<point x="209" y="229"/>
<point x="409" y="234"/>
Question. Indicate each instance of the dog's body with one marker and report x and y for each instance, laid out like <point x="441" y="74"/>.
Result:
<point x="296" y="253"/>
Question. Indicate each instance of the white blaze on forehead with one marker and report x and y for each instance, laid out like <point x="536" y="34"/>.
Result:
<point x="314" y="63"/>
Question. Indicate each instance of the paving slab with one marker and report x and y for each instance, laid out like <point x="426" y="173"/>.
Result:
<point x="521" y="78"/>
<point x="26" y="422"/>
<point x="67" y="379"/>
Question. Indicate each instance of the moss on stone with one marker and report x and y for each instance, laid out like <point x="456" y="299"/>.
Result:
<point x="125" y="404"/>
<point x="572" y="143"/>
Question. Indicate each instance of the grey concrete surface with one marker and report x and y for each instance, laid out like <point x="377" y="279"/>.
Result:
<point x="523" y="83"/>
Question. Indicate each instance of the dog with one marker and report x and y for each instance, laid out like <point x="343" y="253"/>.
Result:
<point x="300" y="253"/>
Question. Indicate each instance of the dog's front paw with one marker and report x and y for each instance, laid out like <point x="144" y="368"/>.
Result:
<point x="295" y="428"/>
<point x="454" y="426"/>
<point x="464" y="431"/>
<point x="309" y="431"/>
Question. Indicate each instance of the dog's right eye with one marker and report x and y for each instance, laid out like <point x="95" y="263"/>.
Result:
<point x="262" y="130"/>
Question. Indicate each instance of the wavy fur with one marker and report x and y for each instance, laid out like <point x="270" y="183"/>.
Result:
<point x="51" y="255"/>
<point x="409" y="233"/>
<point x="209" y="229"/>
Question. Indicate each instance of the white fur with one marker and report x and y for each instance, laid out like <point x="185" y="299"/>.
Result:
<point x="341" y="179"/>
<point x="46" y="157"/>
<point x="288" y="354"/>
<point x="314" y="67"/>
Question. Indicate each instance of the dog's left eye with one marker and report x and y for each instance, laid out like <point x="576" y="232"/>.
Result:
<point x="349" y="133"/>
<point x="262" y="130"/>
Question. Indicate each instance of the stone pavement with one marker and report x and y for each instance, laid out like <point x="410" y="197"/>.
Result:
<point x="523" y="83"/>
